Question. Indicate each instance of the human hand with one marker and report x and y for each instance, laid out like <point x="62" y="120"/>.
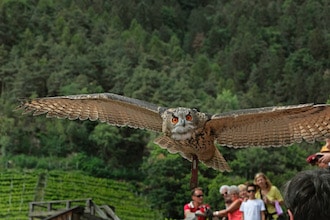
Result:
<point x="223" y="213"/>
<point x="268" y="201"/>
<point x="209" y="213"/>
<point x="200" y="213"/>
<point x="325" y="158"/>
<point x="265" y="199"/>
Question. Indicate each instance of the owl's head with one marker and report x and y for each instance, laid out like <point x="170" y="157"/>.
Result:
<point x="180" y="123"/>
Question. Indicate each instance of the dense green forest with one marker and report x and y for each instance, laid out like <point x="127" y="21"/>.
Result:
<point x="216" y="56"/>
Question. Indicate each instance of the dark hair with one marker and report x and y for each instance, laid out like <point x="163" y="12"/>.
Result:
<point x="195" y="189"/>
<point x="307" y="195"/>
<point x="251" y="185"/>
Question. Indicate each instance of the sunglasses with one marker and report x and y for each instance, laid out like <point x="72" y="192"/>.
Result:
<point x="199" y="196"/>
<point x="224" y="193"/>
<point x="252" y="190"/>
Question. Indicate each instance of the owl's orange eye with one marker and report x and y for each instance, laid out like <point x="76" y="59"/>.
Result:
<point x="175" y="120"/>
<point x="188" y="117"/>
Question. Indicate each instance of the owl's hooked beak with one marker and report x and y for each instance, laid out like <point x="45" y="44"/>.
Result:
<point x="182" y="122"/>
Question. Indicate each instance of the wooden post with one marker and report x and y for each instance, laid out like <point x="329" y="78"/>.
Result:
<point x="68" y="204"/>
<point x="194" y="172"/>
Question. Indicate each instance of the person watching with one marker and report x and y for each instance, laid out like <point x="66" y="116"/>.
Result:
<point x="322" y="158"/>
<point x="196" y="206"/>
<point x="243" y="192"/>
<point x="253" y="208"/>
<point x="224" y="193"/>
<point x="269" y="194"/>
<point x="232" y="211"/>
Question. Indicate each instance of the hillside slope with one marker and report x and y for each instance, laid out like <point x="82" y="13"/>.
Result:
<point x="17" y="189"/>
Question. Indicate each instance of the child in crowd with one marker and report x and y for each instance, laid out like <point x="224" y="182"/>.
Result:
<point x="253" y="208"/>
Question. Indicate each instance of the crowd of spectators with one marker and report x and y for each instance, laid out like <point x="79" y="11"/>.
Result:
<point x="306" y="196"/>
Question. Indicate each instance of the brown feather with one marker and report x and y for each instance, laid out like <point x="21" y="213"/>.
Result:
<point x="214" y="159"/>
<point x="109" y="108"/>
<point x="275" y="126"/>
<point x="262" y="127"/>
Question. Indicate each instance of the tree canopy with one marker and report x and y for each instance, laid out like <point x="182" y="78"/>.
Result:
<point x="216" y="56"/>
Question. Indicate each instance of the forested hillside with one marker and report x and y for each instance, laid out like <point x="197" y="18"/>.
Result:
<point x="216" y="56"/>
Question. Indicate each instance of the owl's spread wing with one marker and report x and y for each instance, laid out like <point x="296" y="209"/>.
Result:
<point x="105" y="107"/>
<point x="217" y="161"/>
<point x="271" y="126"/>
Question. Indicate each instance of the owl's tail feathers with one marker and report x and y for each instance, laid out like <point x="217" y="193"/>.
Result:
<point x="174" y="147"/>
<point x="218" y="162"/>
<point x="168" y="144"/>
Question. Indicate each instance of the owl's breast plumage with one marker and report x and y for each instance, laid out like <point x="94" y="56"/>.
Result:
<point x="198" y="143"/>
<point x="202" y="144"/>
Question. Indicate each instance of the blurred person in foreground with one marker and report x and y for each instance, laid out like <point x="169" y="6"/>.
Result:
<point x="307" y="195"/>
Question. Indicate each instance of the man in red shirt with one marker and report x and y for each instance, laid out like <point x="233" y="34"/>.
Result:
<point x="196" y="206"/>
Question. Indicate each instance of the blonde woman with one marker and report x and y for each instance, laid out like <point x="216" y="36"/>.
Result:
<point x="269" y="194"/>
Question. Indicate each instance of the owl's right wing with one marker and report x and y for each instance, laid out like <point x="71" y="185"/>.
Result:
<point x="106" y="107"/>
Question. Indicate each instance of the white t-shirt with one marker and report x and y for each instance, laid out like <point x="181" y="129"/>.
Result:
<point x="252" y="209"/>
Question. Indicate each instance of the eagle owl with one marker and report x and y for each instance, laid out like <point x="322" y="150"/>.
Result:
<point x="190" y="132"/>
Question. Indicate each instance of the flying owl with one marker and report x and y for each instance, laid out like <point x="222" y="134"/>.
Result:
<point x="190" y="132"/>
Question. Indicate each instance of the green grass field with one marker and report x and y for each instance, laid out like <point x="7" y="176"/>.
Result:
<point x="17" y="189"/>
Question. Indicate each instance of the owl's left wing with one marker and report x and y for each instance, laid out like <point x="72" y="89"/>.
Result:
<point x="105" y="107"/>
<point x="271" y="126"/>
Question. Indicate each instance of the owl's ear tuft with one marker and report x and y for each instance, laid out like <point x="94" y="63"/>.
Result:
<point x="161" y="110"/>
